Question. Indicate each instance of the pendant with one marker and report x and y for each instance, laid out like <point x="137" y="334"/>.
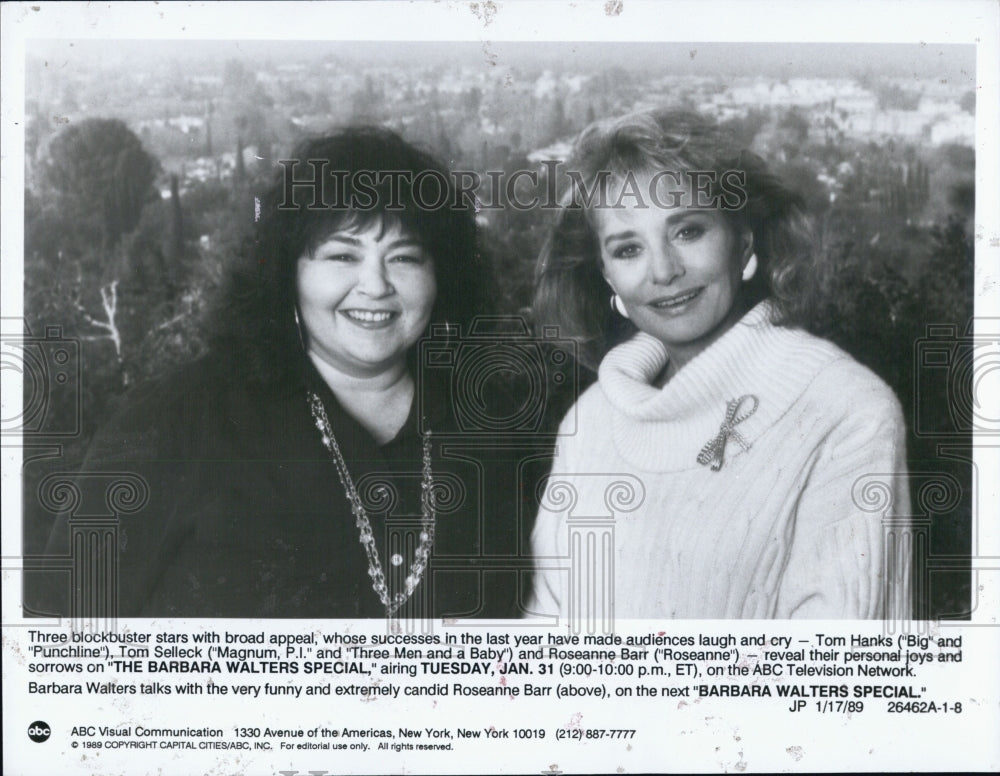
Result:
<point x="423" y="550"/>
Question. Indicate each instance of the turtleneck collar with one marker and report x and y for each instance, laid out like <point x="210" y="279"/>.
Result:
<point x="663" y="429"/>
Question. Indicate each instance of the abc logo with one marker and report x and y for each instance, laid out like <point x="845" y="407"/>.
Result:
<point x="39" y="732"/>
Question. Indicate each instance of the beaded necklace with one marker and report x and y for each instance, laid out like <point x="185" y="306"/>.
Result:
<point x="392" y="602"/>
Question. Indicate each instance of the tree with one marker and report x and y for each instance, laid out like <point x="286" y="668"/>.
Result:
<point x="472" y="99"/>
<point x="101" y="176"/>
<point x="244" y="109"/>
<point x="946" y="285"/>
<point x="96" y="183"/>
<point x="558" y="126"/>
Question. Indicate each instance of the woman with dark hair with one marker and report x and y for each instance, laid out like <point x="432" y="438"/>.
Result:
<point x="294" y="471"/>
<point x="681" y="267"/>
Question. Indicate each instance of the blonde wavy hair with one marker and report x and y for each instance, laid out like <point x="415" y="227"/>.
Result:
<point x="570" y="290"/>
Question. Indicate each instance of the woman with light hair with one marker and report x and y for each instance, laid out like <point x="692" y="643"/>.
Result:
<point x="682" y="269"/>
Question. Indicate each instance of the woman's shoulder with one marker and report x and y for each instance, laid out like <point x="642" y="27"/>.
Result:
<point x="593" y="399"/>
<point x="589" y="414"/>
<point x="844" y="383"/>
<point x="173" y="409"/>
<point x="174" y="391"/>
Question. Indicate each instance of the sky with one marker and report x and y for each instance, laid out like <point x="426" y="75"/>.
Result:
<point x="955" y="63"/>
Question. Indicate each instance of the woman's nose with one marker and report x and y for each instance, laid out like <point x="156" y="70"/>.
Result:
<point x="373" y="278"/>
<point x="665" y="266"/>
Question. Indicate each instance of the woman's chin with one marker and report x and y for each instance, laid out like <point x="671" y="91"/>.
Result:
<point x="378" y="363"/>
<point x="360" y="363"/>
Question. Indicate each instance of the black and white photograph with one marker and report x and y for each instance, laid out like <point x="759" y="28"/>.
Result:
<point x="596" y="348"/>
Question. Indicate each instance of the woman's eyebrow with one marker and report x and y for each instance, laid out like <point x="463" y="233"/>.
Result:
<point x="673" y="218"/>
<point x="342" y="238"/>
<point x="619" y="236"/>
<point x="681" y="215"/>
<point x="409" y="242"/>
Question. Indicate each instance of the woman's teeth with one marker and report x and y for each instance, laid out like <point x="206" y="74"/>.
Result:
<point x="676" y="300"/>
<point x="368" y="316"/>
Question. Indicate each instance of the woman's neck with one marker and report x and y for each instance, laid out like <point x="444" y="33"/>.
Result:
<point x="380" y="402"/>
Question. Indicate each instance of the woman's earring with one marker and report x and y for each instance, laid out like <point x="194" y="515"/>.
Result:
<point x="618" y="306"/>
<point x="751" y="268"/>
<point x="298" y="327"/>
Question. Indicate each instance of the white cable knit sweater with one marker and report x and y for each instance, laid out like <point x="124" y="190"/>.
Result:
<point x="791" y="527"/>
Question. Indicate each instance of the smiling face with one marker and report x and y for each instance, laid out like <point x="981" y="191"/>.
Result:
<point x="677" y="269"/>
<point x="365" y="296"/>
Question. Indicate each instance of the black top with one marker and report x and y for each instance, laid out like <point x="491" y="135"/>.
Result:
<point x="246" y="515"/>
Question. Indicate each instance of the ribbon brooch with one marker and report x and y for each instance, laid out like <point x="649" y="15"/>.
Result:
<point x="712" y="453"/>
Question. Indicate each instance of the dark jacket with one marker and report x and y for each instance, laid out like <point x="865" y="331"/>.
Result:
<point x="210" y="496"/>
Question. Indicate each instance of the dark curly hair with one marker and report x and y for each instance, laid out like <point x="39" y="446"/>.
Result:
<point x="570" y="289"/>
<point x="254" y="322"/>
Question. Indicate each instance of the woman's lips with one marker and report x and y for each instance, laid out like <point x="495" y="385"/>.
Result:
<point x="677" y="302"/>
<point x="370" y="319"/>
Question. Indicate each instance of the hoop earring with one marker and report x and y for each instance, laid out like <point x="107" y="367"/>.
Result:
<point x="751" y="268"/>
<point x="298" y="327"/>
<point x="618" y="305"/>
